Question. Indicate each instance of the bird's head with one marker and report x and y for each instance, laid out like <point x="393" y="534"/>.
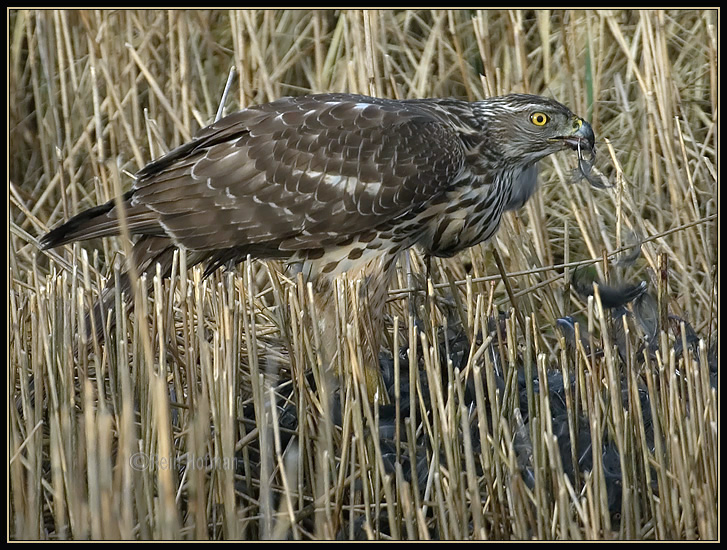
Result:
<point x="522" y="129"/>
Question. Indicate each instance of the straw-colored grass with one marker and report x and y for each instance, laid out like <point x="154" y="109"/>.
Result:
<point x="208" y="413"/>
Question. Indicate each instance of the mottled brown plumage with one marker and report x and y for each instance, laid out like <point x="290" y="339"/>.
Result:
<point x="341" y="182"/>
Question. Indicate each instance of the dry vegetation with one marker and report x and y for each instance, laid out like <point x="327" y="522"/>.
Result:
<point x="206" y="414"/>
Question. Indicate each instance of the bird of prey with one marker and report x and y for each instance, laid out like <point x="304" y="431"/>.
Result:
<point x="340" y="182"/>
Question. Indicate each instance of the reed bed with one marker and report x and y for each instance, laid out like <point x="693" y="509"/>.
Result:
<point x="209" y="413"/>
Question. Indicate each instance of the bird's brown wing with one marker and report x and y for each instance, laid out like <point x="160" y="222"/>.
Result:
<point x="300" y="173"/>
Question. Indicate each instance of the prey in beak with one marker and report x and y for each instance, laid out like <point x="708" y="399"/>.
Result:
<point x="582" y="137"/>
<point x="583" y="141"/>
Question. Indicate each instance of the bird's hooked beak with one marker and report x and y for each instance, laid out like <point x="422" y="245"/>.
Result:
<point x="582" y="137"/>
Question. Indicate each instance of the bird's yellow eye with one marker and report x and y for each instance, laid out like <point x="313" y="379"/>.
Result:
<point x="539" y="119"/>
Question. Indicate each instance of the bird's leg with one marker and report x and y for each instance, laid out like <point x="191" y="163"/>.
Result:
<point x="325" y="334"/>
<point x="371" y="325"/>
<point x="347" y="324"/>
<point x="369" y="300"/>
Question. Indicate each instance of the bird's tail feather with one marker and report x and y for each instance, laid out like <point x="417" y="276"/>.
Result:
<point x="103" y="221"/>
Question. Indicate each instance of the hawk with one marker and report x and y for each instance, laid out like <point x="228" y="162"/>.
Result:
<point x="341" y="182"/>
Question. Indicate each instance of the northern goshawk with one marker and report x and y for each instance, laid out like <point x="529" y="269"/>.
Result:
<point x="341" y="182"/>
